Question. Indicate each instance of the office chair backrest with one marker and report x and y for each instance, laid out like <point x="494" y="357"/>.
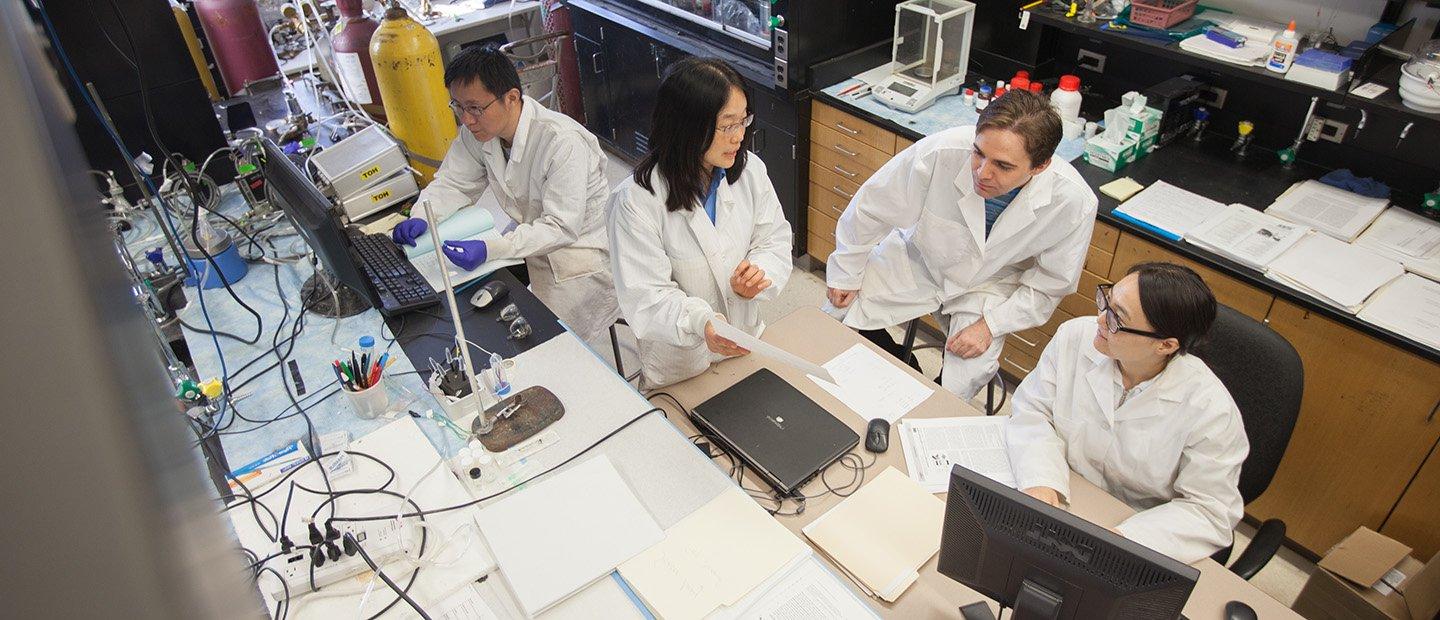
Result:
<point x="1265" y="377"/>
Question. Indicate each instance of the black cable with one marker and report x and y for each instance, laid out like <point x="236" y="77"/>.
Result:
<point x="350" y="538"/>
<point x="206" y="332"/>
<point x="282" y="607"/>
<point x="524" y="482"/>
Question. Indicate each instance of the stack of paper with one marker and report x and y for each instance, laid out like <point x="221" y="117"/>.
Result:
<point x="803" y="590"/>
<point x="1167" y="210"/>
<point x="1409" y="306"/>
<point x="933" y="445"/>
<point x="1407" y="237"/>
<point x="1330" y="210"/>
<point x="712" y="558"/>
<point x="1246" y="236"/>
<point x="882" y="534"/>
<point x="871" y="385"/>
<point x="1253" y="53"/>
<point x="1333" y="271"/>
<point x="559" y="535"/>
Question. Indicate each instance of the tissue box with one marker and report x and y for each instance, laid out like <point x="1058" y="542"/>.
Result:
<point x="1110" y="155"/>
<point x="1145" y="122"/>
<point x="1144" y="143"/>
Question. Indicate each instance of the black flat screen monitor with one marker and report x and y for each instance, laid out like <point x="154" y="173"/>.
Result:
<point x="313" y="216"/>
<point x="1042" y="561"/>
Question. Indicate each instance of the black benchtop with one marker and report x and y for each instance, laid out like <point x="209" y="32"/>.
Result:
<point x="1207" y="168"/>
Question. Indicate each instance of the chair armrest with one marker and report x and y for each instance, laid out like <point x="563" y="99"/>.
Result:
<point x="1263" y="547"/>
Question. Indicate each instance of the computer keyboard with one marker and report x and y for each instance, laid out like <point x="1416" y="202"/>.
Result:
<point x="400" y="286"/>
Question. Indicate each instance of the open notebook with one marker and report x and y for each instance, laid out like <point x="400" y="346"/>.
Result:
<point x="464" y="225"/>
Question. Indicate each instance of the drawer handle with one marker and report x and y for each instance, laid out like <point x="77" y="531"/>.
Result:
<point x="845" y="172"/>
<point x="842" y="192"/>
<point x="1022" y="339"/>
<point x="1432" y="412"/>
<point x="846" y="152"/>
<point x="837" y="210"/>
<point x="595" y="62"/>
<point x="1026" y="370"/>
<point x="841" y="126"/>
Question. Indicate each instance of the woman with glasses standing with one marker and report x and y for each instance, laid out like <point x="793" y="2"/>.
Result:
<point x="547" y="173"/>
<point x="1118" y="399"/>
<point x="696" y="233"/>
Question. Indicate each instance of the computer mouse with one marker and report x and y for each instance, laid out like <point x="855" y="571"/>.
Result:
<point x="489" y="294"/>
<point x="877" y="435"/>
<point x="1236" y="610"/>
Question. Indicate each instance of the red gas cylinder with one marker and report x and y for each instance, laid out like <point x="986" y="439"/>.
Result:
<point x="350" y="41"/>
<point x="239" y="41"/>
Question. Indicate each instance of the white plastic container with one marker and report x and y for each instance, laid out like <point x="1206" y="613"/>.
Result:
<point x="1283" y="51"/>
<point x="1066" y="99"/>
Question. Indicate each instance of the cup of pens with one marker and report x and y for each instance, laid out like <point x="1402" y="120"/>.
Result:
<point x="362" y="380"/>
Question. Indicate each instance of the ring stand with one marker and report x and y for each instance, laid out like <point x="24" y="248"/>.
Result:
<point x="519" y="417"/>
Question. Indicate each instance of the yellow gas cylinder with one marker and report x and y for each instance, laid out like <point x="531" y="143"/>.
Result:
<point x="411" y="78"/>
<point x="192" y="43"/>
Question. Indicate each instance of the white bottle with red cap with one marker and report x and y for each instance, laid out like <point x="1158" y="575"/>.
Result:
<point x="1066" y="98"/>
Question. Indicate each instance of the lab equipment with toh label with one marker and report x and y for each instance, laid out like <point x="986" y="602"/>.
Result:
<point x="930" y="53"/>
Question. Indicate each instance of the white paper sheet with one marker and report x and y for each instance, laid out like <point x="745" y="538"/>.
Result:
<point x="1400" y="231"/>
<point x="1409" y="306"/>
<point x="558" y="535"/>
<point x="1342" y="274"/>
<point x="804" y="590"/>
<point x="712" y="558"/>
<point x="756" y="345"/>
<point x="1169" y="208"/>
<point x="933" y="445"/>
<point x="464" y="604"/>
<point x="872" y="386"/>
<point x="429" y="266"/>
<point x="1247" y="236"/>
<point x="1330" y="210"/>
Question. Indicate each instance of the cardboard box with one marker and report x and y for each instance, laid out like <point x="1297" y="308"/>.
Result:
<point x="1370" y="576"/>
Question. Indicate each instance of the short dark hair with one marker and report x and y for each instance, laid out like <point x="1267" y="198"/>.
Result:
<point x="1029" y="115"/>
<point x="485" y="63"/>
<point x="683" y="126"/>
<point x="1177" y="302"/>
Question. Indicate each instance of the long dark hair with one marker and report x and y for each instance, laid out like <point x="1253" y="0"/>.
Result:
<point x="690" y="98"/>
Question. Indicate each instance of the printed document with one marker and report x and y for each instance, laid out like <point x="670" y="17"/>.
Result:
<point x="1330" y="210"/>
<point x="1247" y="236"/>
<point x="1409" y="306"/>
<point x="872" y="386"/>
<point x="933" y="445"/>
<point x="1168" y="210"/>
<point x="1336" y="272"/>
<point x="756" y="345"/>
<point x="804" y="590"/>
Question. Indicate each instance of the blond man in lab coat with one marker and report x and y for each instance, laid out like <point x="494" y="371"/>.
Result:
<point x="1118" y="399"/>
<point x="697" y="236"/>
<point x="547" y="173"/>
<point x="978" y="225"/>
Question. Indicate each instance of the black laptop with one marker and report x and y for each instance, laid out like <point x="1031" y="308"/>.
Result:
<point x="776" y="430"/>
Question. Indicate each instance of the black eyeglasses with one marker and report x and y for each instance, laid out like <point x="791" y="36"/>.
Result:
<point x="472" y="110"/>
<point x="1112" y="322"/>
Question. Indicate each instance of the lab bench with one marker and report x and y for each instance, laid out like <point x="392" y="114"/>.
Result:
<point x="1368" y="424"/>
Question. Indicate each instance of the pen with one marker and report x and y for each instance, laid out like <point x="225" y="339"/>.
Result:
<point x="851" y="89"/>
<point x="1032" y="5"/>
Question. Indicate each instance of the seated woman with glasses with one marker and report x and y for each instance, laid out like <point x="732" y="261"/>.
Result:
<point x="1119" y="399"/>
<point x="696" y="233"/>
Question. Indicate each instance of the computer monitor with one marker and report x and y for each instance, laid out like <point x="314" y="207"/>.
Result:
<point x="1044" y="562"/>
<point x="314" y="218"/>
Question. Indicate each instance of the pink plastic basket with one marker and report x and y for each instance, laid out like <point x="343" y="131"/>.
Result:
<point x="1161" y="13"/>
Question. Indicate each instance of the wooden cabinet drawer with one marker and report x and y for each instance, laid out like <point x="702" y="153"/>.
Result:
<point x="902" y="143"/>
<point x="1250" y="301"/>
<point x="1056" y="318"/>
<point x="848" y="125"/>
<point x="821" y="246"/>
<point x="1082" y="301"/>
<point x="843" y="167"/>
<point x="1105" y="237"/>
<point x="849" y="149"/>
<point x="1030" y="342"/>
<point x="821" y="223"/>
<point x="1098" y="260"/>
<point x="827" y="202"/>
<point x="831" y="182"/>
<point x="1015" y="362"/>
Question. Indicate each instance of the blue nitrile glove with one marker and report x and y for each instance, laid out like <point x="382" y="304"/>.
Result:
<point x="408" y="231"/>
<point x="467" y="254"/>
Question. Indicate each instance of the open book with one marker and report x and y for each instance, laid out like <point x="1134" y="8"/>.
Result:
<point x="1246" y="236"/>
<point x="1330" y="210"/>
<point x="1407" y="237"/>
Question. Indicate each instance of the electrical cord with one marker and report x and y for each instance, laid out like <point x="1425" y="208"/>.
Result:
<point x="350" y="538"/>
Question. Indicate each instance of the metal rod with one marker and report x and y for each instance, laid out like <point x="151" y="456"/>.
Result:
<point x="484" y="424"/>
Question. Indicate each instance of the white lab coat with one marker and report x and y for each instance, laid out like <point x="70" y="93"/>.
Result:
<point x="554" y="187"/>
<point x="672" y="270"/>
<point x="913" y="242"/>
<point x="1173" y="451"/>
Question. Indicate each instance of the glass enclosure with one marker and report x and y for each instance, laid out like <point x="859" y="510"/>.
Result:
<point x="929" y="29"/>
<point x="747" y="20"/>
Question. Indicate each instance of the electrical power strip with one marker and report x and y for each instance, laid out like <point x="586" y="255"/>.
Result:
<point x="382" y="540"/>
